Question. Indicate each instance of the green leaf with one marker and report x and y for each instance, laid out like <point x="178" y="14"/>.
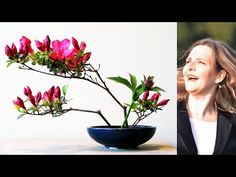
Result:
<point x="134" y="106"/>
<point x="64" y="89"/>
<point x="9" y="63"/>
<point x="157" y="89"/>
<point x="138" y="91"/>
<point x="133" y="81"/>
<point x="121" y="80"/>
<point x="20" y="116"/>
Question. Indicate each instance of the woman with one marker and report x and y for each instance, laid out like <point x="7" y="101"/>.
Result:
<point x="207" y="99"/>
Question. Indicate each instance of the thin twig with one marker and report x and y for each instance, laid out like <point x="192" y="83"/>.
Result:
<point x="72" y="109"/>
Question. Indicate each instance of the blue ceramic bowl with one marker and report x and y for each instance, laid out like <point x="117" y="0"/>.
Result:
<point x="122" y="138"/>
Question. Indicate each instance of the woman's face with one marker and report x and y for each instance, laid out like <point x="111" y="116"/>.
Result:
<point x="199" y="73"/>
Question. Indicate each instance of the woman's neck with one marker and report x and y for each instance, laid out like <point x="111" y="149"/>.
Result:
<point x="202" y="108"/>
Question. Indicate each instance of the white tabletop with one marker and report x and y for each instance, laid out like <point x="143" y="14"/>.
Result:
<point x="70" y="146"/>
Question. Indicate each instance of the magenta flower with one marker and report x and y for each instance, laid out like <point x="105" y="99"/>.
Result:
<point x="57" y="93"/>
<point x="27" y="91"/>
<point x="145" y="95"/>
<point x="14" y="49"/>
<point x="75" y="44"/>
<point x="45" y="45"/>
<point x="86" y="57"/>
<point x="61" y="49"/>
<point x="38" y="97"/>
<point x="19" y="102"/>
<point x="32" y="100"/>
<point x="8" y="51"/>
<point x="148" y="82"/>
<point x="25" y="46"/>
<point x="163" y="102"/>
<point x="155" y="96"/>
<point x="48" y="95"/>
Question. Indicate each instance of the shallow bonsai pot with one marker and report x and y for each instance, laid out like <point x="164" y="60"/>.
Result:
<point x="122" y="138"/>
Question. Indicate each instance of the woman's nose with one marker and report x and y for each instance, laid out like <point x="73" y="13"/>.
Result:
<point x="191" y="67"/>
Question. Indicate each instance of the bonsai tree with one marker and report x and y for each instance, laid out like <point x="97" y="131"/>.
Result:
<point x="61" y="61"/>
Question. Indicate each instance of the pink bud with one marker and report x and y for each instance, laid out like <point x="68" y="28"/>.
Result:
<point x="145" y="95"/>
<point x="82" y="45"/>
<point x="8" y="51"/>
<point x="39" y="45"/>
<point x="57" y="93"/>
<point x="148" y="82"/>
<point x="19" y="102"/>
<point x="32" y="100"/>
<point x="155" y="96"/>
<point x="47" y="43"/>
<point x="38" y="97"/>
<point x="163" y="102"/>
<point x="75" y="44"/>
<point x="51" y="92"/>
<point x="14" y="49"/>
<point x="86" y="57"/>
<point x="27" y="91"/>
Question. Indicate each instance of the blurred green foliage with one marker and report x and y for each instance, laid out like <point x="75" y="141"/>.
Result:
<point x="189" y="32"/>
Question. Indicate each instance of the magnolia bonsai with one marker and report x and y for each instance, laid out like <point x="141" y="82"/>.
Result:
<point x="61" y="61"/>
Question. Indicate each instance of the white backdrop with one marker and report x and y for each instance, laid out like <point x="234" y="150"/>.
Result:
<point x="120" y="48"/>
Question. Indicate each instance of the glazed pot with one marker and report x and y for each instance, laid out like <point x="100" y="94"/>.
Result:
<point x="122" y="138"/>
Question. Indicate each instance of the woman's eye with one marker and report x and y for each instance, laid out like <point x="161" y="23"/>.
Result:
<point x="201" y="62"/>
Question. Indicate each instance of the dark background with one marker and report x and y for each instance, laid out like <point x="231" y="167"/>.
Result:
<point x="189" y="32"/>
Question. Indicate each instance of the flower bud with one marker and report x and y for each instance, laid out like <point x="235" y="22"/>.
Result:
<point x="155" y="96"/>
<point x="32" y="100"/>
<point x="19" y="102"/>
<point x="163" y="102"/>
<point x="27" y="91"/>
<point x="75" y="44"/>
<point x="38" y="97"/>
<point x="47" y="43"/>
<point x="82" y="46"/>
<point x="14" y="49"/>
<point x="145" y="95"/>
<point x="8" y="51"/>
<point x="57" y="93"/>
<point x="148" y="82"/>
<point x="86" y="57"/>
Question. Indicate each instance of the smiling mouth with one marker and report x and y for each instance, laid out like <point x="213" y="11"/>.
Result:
<point x="192" y="78"/>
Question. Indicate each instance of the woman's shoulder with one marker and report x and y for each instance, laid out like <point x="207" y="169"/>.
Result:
<point x="181" y="104"/>
<point x="229" y="116"/>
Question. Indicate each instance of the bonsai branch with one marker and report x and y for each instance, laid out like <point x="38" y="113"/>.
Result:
<point x="141" y="117"/>
<point x="59" y="113"/>
<point x="86" y="77"/>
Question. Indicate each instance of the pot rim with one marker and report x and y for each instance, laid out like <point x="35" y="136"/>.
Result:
<point x="117" y="127"/>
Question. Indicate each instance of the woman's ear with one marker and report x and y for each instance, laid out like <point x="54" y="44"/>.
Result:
<point x="220" y="76"/>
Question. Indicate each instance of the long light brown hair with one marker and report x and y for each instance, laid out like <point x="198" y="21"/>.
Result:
<point x="224" y="59"/>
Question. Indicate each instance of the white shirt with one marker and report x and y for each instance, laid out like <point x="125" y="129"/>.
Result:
<point x="204" y="134"/>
